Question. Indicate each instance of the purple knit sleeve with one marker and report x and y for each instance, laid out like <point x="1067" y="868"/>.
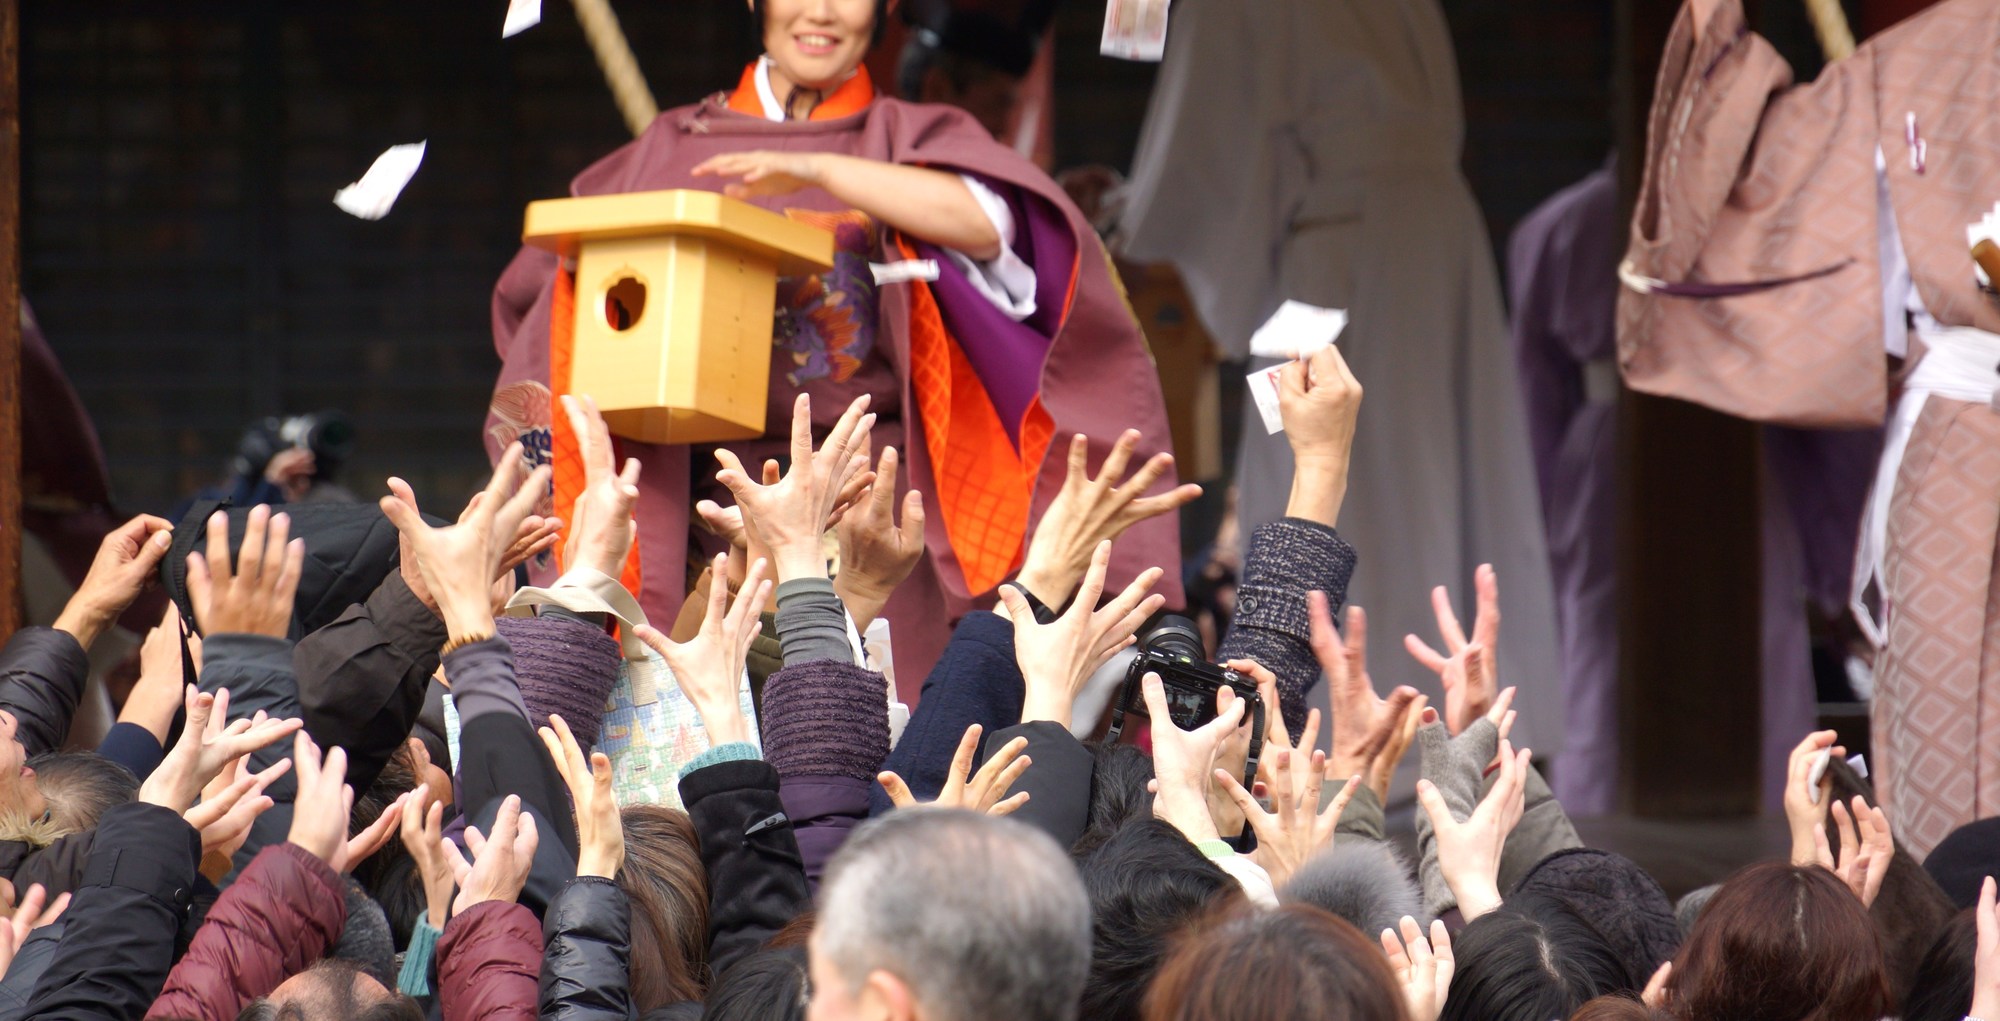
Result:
<point x="565" y="667"/>
<point x="826" y="719"/>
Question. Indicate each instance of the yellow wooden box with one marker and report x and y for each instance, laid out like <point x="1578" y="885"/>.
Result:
<point x="674" y="299"/>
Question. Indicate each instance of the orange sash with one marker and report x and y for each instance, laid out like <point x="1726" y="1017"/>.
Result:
<point x="852" y="97"/>
<point x="985" y="487"/>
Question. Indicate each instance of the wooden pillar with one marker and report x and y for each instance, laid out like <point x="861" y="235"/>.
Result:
<point x="10" y="317"/>
<point x="1690" y="651"/>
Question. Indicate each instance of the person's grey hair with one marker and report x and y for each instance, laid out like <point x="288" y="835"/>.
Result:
<point x="981" y="917"/>
<point x="1690" y="907"/>
<point x="79" y="787"/>
<point x="1362" y="881"/>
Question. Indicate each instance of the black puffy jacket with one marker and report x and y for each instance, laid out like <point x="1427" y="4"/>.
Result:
<point x="587" y="966"/>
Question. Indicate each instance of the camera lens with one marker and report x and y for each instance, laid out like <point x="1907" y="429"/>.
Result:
<point x="329" y="435"/>
<point x="1176" y="636"/>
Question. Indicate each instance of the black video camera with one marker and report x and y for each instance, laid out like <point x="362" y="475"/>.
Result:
<point x="1173" y="649"/>
<point x="328" y="434"/>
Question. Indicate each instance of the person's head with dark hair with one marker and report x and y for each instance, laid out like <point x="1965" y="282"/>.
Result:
<point x="1296" y="963"/>
<point x="398" y="777"/>
<point x="769" y="985"/>
<point x="1147" y="887"/>
<point x="1117" y="792"/>
<point x="664" y="879"/>
<point x="970" y="59"/>
<point x="79" y="786"/>
<point x="941" y="914"/>
<point x="1781" y="942"/>
<point x="1963" y="860"/>
<point x="1617" y="897"/>
<point x="1941" y="990"/>
<point x="391" y="878"/>
<point x="332" y="990"/>
<point x="1615" y="1008"/>
<point x="1531" y="960"/>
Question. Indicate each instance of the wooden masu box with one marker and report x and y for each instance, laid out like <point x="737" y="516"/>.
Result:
<point x="674" y="305"/>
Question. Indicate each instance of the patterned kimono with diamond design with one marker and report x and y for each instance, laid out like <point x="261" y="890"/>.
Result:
<point x="972" y="398"/>
<point x="1785" y="238"/>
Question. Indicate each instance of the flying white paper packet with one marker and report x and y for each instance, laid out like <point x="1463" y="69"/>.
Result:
<point x="1264" y="392"/>
<point x="1987" y="228"/>
<point x="371" y="197"/>
<point x="522" y="15"/>
<point x="1297" y="329"/>
<point x="1135" y="30"/>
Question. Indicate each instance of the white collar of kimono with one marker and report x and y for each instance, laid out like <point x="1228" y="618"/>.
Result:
<point x="773" y="109"/>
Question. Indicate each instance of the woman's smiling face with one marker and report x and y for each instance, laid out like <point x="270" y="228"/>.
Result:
<point x="817" y="43"/>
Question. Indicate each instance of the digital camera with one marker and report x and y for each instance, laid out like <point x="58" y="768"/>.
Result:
<point x="1173" y="650"/>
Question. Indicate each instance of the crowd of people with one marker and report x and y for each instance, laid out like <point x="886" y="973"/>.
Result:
<point x="285" y="827"/>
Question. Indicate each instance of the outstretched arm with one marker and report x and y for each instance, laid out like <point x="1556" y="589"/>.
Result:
<point x="932" y="205"/>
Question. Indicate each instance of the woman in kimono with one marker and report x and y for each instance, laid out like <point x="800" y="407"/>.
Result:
<point x="1801" y="255"/>
<point x="968" y="296"/>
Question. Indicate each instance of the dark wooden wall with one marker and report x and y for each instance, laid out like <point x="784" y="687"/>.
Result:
<point x="186" y="261"/>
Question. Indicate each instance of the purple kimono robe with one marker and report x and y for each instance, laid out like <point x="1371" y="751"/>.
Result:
<point x="840" y="334"/>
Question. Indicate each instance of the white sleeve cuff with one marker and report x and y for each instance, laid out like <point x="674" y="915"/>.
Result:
<point x="1005" y="280"/>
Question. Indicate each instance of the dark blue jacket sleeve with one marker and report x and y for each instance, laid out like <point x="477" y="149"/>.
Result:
<point x="975" y="681"/>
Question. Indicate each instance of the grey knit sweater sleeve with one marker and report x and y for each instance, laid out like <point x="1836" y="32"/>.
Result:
<point x="1288" y="558"/>
<point x="1457" y="767"/>
<point x="812" y="623"/>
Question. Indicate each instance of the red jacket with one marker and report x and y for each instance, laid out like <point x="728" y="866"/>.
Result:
<point x="490" y="964"/>
<point x="278" y="919"/>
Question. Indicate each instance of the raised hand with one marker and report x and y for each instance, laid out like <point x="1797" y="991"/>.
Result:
<point x="229" y="805"/>
<point x="1089" y="512"/>
<point x="156" y="696"/>
<point x="1318" y="401"/>
<point x="1986" y="960"/>
<point x="1370" y="734"/>
<point x="1183" y="761"/>
<point x="208" y="744"/>
<point x="1277" y="737"/>
<point x="422" y="829"/>
<point x="321" y="807"/>
<point x="1864" y="857"/>
<point x="1469" y="667"/>
<point x="124" y="566"/>
<point x="1295" y="828"/>
<point x="1656" y="993"/>
<point x="457" y="563"/>
<point x="600" y="832"/>
<point x="1807" y="791"/>
<point x="985" y="792"/>
<point x="1423" y="967"/>
<point x="534" y="534"/>
<point x="709" y="667"/>
<point x="789" y="517"/>
<point x="603" y="529"/>
<point x="500" y="863"/>
<point x="1057" y="658"/>
<point x="256" y="597"/>
<point x="34" y="911"/>
<point x="1468" y="852"/>
<point x="876" y="553"/>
